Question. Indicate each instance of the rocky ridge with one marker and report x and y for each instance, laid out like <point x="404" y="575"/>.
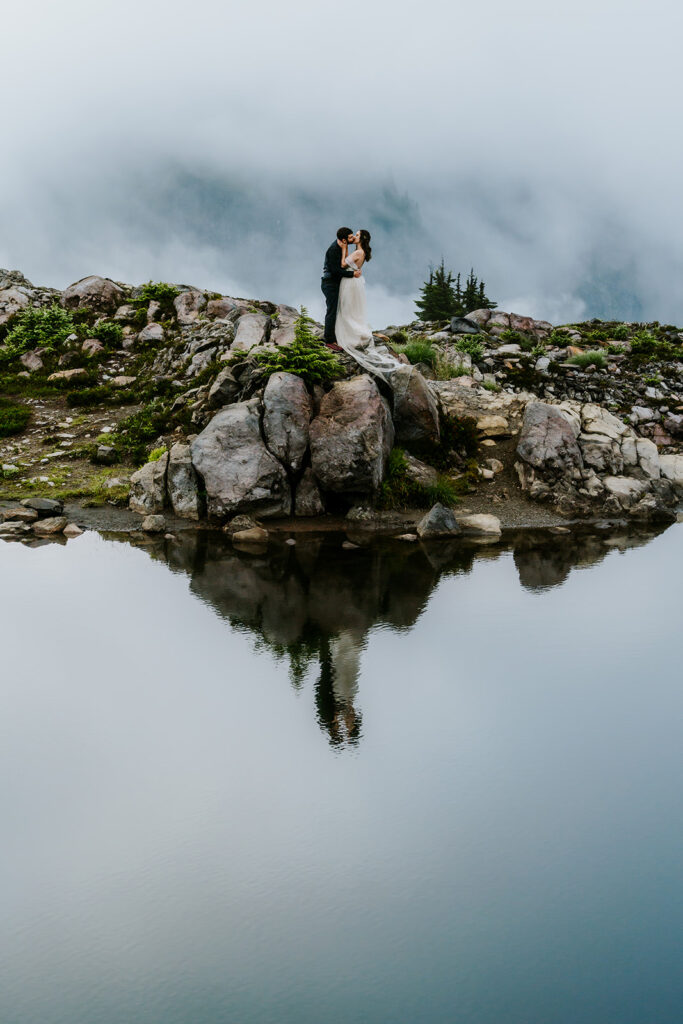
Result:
<point x="585" y="419"/>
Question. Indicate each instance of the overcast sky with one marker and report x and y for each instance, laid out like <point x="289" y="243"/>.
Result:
<point x="222" y="144"/>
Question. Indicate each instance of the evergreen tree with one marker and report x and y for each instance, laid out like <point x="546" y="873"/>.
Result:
<point x="443" y="297"/>
<point x="437" y="298"/>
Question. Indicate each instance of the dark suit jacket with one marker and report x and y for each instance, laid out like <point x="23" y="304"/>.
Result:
<point x="332" y="269"/>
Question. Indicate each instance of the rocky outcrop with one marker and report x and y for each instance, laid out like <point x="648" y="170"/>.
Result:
<point x="238" y="471"/>
<point x="351" y="438"/>
<point x="98" y="293"/>
<point x="287" y="411"/>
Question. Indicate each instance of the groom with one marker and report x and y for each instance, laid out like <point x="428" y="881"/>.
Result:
<point x="332" y="275"/>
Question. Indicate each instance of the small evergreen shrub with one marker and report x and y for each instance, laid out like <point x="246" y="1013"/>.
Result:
<point x="13" y="418"/>
<point x="109" y="333"/>
<point x="472" y="345"/>
<point x="37" y="327"/>
<point x="133" y="435"/>
<point x="647" y="346"/>
<point x="158" y="291"/>
<point x="619" y="333"/>
<point x="308" y="357"/>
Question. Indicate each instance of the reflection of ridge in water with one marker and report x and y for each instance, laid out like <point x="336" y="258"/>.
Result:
<point x="315" y="603"/>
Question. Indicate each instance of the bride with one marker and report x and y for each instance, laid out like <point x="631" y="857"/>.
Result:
<point x="351" y="326"/>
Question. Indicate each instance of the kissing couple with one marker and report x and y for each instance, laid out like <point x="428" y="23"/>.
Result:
<point x="346" y="321"/>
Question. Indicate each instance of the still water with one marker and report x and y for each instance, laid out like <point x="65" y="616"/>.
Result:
<point x="386" y="785"/>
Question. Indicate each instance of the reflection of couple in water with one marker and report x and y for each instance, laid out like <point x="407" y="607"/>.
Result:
<point x="337" y="688"/>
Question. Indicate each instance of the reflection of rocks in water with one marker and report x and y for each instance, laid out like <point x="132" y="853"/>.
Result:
<point x="315" y="603"/>
<point x="545" y="560"/>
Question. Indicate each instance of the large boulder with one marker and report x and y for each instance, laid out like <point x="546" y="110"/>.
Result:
<point x="251" y="331"/>
<point x="287" y="411"/>
<point x="98" y="293"/>
<point x="416" y="416"/>
<point x="188" y="305"/>
<point x="239" y="473"/>
<point x="672" y="469"/>
<point x="181" y="482"/>
<point x="148" y="487"/>
<point x="548" y="439"/>
<point x="351" y="437"/>
<point x="152" y="334"/>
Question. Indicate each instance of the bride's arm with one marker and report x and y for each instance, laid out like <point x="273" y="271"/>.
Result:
<point x="344" y="254"/>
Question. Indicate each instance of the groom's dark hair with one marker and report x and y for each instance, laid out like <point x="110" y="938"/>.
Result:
<point x="344" y="233"/>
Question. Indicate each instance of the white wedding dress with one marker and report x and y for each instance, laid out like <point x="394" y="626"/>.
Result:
<point x="352" y="330"/>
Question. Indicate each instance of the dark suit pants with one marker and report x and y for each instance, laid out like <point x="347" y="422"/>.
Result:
<point x="330" y="289"/>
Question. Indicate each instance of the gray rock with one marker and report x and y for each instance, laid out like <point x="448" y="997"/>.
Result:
<point x="224" y="390"/>
<point x="105" y="455"/>
<point x="44" y="506"/>
<point x="438" y="522"/>
<point x="239" y="473"/>
<point x="92" y="347"/>
<point x="351" y="437"/>
<point x="68" y="376"/>
<point x="188" y="305"/>
<point x="148" y="487"/>
<point x="419" y="472"/>
<point x="416" y="416"/>
<point x="49" y="527"/>
<point x="98" y="293"/>
<point x="481" y="523"/>
<point x="464" y="325"/>
<point x="152" y="334"/>
<point x="241" y="522"/>
<point x="71" y="530"/>
<point x="31" y="360"/>
<point x="251" y="331"/>
<point x="220" y="308"/>
<point x="254" y="535"/>
<point x="153" y="524"/>
<point x="287" y="411"/>
<point x="308" y="501"/>
<point x="181" y="482"/>
<point x="19" y="515"/>
<point x="548" y="440"/>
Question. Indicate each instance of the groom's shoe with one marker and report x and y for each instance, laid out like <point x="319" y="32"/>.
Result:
<point x="333" y="347"/>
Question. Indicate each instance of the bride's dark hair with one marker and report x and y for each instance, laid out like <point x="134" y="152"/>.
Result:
<point x="365" y="244"/>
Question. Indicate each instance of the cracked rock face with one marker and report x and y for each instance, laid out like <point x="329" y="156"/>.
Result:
<point x="351" y="437"/>
<point x="181" y="482"/>
<point x="548" y="439"/>
<point x="239" y="473"/>
<point x="287" y="411"/>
